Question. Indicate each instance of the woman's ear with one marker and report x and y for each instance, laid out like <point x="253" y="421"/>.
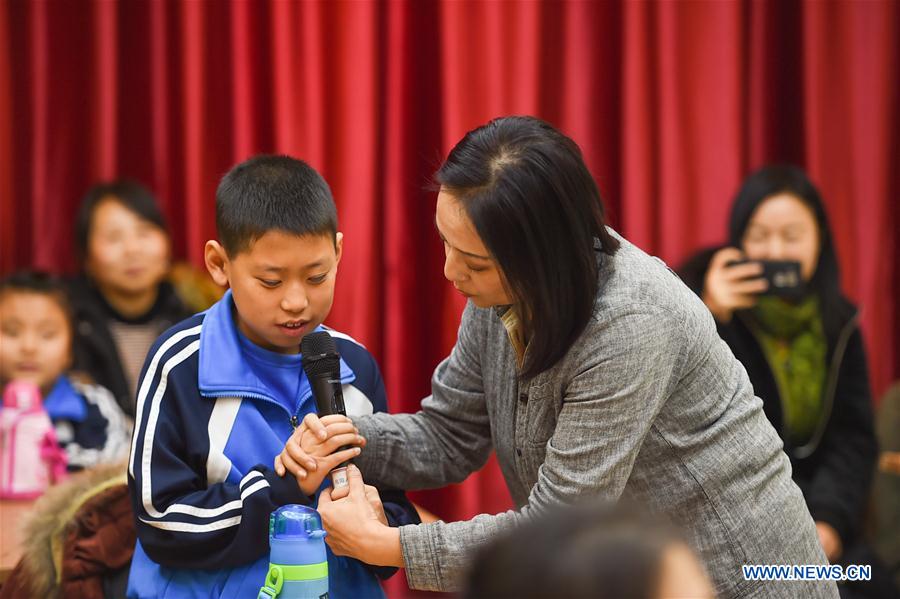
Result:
<point x="216" y="259"/>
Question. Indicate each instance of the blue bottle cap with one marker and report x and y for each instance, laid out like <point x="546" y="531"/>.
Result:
<point x="295" y="522"/>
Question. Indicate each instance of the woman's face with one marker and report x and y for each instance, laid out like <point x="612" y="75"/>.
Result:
<point x="784" y="228"/>
<point x="468" y="264"/>
<point x="126" y="254"/>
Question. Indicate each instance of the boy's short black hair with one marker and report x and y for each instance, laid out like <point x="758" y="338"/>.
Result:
<point x="41" y="283"/>
<point x="131" y="194"/>
<point x="268" y="193"/>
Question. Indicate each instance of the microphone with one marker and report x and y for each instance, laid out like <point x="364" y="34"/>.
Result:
<point x="322" y="365"/>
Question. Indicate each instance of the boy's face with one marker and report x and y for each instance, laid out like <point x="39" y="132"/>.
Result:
<point x="283" y="285"/>
<point x="35" y="339"/>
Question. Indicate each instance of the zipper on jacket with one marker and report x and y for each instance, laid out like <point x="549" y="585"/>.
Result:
<point x="259" y="396"/>
<point x="807" y="449"/>
<point x="294" y="418"/>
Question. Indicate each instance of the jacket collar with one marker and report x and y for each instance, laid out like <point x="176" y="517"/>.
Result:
<point x="223" y="371"/>
<point x="64" y="403"/>
<point x="90" y="304"/>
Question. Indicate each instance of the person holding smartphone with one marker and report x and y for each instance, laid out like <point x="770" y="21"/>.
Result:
<point x="802" y="347"/>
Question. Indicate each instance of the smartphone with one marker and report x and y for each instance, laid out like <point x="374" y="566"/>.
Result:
<point x="783" y="277"/>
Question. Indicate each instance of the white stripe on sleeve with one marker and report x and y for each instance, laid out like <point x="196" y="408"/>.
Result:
<point x="150" y="433"/>
<point x="205" y="512"/>
<point x="148" y="381"/>
<point x="194" y="528"/>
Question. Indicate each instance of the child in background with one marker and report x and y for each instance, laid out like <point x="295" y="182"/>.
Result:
<point x="36" y="347"/>
<point x="222" y="392"/>
<point x="121" y="301"/>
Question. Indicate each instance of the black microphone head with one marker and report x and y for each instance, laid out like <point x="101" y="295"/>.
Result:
<point x="320" y="354"/>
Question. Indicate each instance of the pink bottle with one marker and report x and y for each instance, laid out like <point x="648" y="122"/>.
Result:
<point x="30" y="457"/>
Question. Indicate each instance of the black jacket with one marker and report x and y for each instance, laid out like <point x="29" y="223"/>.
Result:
<point x="94" y="349"/>
<point x="834" y="470"/>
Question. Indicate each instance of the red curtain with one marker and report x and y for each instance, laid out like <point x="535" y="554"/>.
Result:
<point x="672" y="103"/>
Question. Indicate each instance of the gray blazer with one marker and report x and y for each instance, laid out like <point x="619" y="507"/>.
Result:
<point x="649" y="405"/>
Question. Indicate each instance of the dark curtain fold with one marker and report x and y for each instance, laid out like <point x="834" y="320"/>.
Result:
<point x="673" y="104"/>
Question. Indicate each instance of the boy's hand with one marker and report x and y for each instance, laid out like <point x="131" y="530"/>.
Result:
<point x="309" y="453"/>
<point x="294" y="458"/>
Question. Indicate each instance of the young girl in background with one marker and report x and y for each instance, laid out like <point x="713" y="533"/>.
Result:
<point x="36" y="348"/>
<point x="121" y="300"/>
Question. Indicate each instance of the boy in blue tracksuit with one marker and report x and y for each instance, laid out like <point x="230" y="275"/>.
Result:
<point x="221" y="393"/>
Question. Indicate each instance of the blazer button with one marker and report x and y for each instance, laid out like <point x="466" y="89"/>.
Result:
<point x="523" y="397"/>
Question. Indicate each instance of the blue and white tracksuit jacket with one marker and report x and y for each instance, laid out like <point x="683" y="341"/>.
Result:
<point x="90" y="425"/>
<point x="200" y="474"/>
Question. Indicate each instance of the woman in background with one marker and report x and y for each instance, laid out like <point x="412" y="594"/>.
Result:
<point x="121" y="300"/>
<point x="804" y="354"/>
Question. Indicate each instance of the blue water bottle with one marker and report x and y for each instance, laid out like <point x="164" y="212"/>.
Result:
<point x="298" y="564"/>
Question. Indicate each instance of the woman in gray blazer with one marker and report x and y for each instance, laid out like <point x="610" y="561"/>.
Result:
<point x="590" y="369"/>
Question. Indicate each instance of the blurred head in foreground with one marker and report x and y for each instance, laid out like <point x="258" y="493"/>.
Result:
<point x="588" y="551"/>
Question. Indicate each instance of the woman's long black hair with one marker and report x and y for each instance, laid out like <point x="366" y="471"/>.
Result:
<point x="536" y="207"/>
<point x="826" y="280"/>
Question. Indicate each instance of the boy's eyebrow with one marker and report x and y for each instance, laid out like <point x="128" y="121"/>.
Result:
<point x="470" y="254"/>
<point x="280" y="269"/>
